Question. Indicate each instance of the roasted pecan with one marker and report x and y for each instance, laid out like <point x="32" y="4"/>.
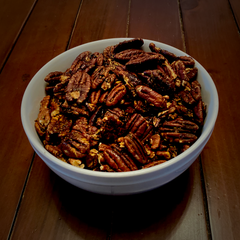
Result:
<point x="131" y="80"/>
<point x="128" y="44"/>
<point x="140" y="64"/>
<point x="183" y="138"/>
<point x="187" y="61"/>
<point x="187" y="97"/>
<point x="128" y="54"/>
<point x="180" y="70"/>
<point x="116" y="94"/>
<point x="152" y="97"/>
<point x="78" y="87"/>
<point x="191" y="73"/>
<point x="155" y="141"/>
<point x="44" y="116"/>
<point x="83" y="62"/>
<point x="163" y="154"/>
<point x="180" y="125"/>
<point x="170" y="56"/>
<point x="92" y="159"/>
<point x="108" y="82"/>
<point x="196" y="90"/>
<point x="199" y="111"/>
<point x="74" y="109"/>
<point x="76" y="162"/>
<point x="135" y="148"/>
<point x="115" y="160"/>
<point x="75" y="145"/>
<point x="53" y="77"/>
<point x="152" y="164"/>
<point x="59" y="125"/>
<point x="138" y="125"/>
<point x="56" y="151"/>
<point x="160" y="81"/>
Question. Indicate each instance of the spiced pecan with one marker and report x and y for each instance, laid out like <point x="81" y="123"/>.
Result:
<point x="116" y="94"/>
<point x="128" y="44"/>
<point x="138" y="125"/>
<point x="135" y="148"/>
<point x="152" y="97"/>
<point x="44" y="116"/>
<point x="75" y="145"/>
<point x="115" y="160"/>
<point x="78" y="87"/>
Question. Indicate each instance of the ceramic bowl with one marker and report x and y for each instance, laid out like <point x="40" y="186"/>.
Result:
<point x="119" y="183"/>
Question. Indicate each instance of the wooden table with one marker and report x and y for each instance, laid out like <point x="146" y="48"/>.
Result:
<point x="202" y="203"/>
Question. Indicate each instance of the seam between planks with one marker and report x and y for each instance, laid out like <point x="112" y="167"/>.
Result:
<point x="21" y="197"/>
<point x="18" y="35"/>
<point x="74" y="25"/>
<point x="182" y="26"/>
<point x="31" y="165"/>
<point x="234" y="16"/>
<point x="203" y="184"/>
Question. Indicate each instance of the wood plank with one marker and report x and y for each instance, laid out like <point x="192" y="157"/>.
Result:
<point x="51" y="208"/>
<point x="108" y="20"/>
<point x="54" y="209"/>
<point x="212" y="38"/>
<point x="13" y="15"/>
<point x="161" y="218"/>
<point x="156" y="20"/>
<point x="235" y="5"/>
<point x="173" y="211"/>
<point x="44" y="36"/>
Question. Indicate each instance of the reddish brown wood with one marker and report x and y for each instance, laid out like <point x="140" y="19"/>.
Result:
<point x="100" y="20"/>
<point x="54" y="209"/>
<point x="44" y="36"/>
<point x="156" y="20"/>
<point x="173" y="211"/>
<point x="160" y="21"/>
<point x="235" y="5"/>
<point x="50" y="208"/>
<point x="213" y="39"/>
<point x="13" y="15"/>
<point x="40" y="216"/>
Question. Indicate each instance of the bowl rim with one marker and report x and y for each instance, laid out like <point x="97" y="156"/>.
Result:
<point x="207" y="130"/>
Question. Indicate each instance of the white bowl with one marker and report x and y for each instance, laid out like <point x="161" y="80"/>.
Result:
<point x="119" y="183"/>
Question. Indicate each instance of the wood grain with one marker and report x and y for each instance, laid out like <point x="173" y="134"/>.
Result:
<point x="235" y="6"/>
<point x="41" y="216"/>
<point x="13" y="15"/>
<point x="212" y="38"/>
<point x="202" y="203"/>
<point x="108" y="20"/>
<point x="156" y="20"/>
<point x="44" y="36"/>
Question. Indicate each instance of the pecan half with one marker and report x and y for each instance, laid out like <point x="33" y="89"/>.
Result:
<point x="152" y="97"/>
<point x="138" y="125"/>
<point x="128" y="44"/>
<point x="44" y="116"/>
<point x="75" y="145"/>
<point x="115" y="161"/>
<point x="135" y="148"/>
<point x="116" y="94"/>
<point x="78" y="87"/>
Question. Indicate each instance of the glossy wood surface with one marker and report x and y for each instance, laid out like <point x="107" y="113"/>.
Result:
<point x="202" y="203"/>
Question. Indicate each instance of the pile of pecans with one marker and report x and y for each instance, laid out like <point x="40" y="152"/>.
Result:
<point x="122" y="110"/>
